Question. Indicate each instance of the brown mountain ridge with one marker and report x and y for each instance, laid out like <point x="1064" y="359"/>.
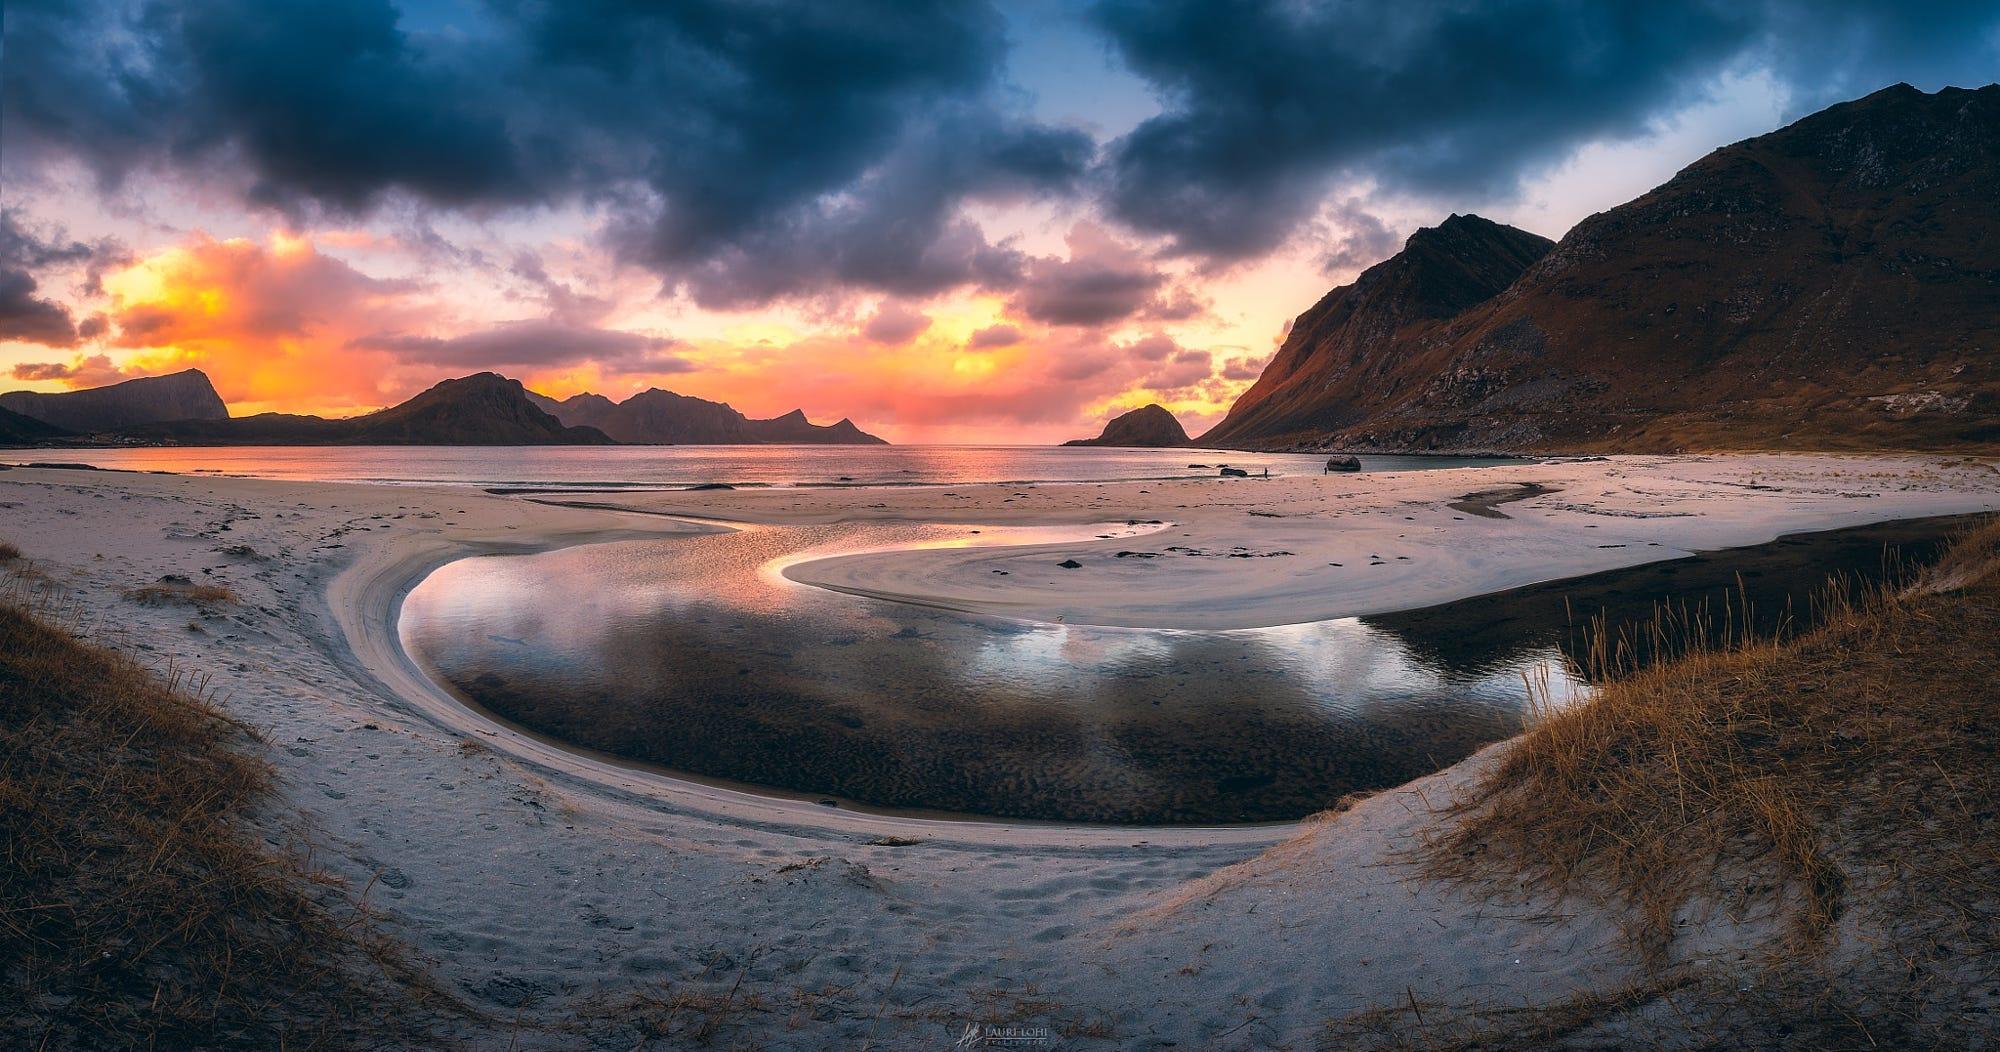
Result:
<point x="1834" y="284"/>
<point x="661" y="417"/>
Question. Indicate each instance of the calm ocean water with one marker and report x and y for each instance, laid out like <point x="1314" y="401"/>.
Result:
<point x="653" y="466"/>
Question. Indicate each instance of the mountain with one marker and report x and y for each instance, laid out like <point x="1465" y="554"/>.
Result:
<point x="19" y="430"/>
<point x="1833" y="284"/>
<point x="485" y="409"/>
<point x="1150" y="426"/>
<point x="1359" y="341"/>
<point x="663" y="417"/>
<point x="185" y="395"/>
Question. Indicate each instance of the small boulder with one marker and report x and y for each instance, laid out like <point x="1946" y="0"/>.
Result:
<point x="1070" y="564"/>
<point x="1235" y="473"/>
<point x="1334" y="464"/>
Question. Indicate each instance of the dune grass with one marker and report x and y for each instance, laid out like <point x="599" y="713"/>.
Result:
<point x="169" y="590"/>
<point x="140" y="904"/>
<point x="1841" y="784"/>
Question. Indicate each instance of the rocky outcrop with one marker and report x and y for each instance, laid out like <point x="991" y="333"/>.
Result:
<point x="485" y="409"/>
<point x="1151" y="426"/>
<point x="1834" y="284"/>
<point x="186" y="395"/>
<point x="659" y="417"/>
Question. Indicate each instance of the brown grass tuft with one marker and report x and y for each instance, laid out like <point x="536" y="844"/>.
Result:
<point x="138" y="906"/>
<point x="8" y="552"/>
<point x="169" y="590"/>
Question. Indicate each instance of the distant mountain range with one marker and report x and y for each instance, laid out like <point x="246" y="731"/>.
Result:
<point x="655" y="416"/>
<point x="1151" y="426"/>
<point x="483" y="409"/>
<point x="1832" y="285"/>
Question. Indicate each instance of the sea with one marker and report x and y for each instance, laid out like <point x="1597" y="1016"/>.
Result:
<point x="655" y="467"/>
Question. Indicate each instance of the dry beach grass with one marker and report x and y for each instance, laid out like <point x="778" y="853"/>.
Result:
<point x="140" y="906"/>
<point x="1844" y="785"/>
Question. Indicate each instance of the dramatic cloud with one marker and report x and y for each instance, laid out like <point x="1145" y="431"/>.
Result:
<point x="564" y="302"/>
<point x="1104" y="280"/>
<point x="1356" y="238"/>
<point x="783" y="183"/>
<point x="747" y="151"/>
<point x="535" y="344"/>
<point x="896" y="228"/>
<point x="893" y="323"/>
<point x="1267" y="102"/>
<point x="24" y="315"/>
<point x="94" y="370"/>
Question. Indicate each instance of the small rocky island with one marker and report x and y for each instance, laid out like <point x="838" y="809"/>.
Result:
<point x="1151" y="427"/>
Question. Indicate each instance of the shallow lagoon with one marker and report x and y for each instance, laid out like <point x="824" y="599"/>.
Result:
<point x="696" y="655"/>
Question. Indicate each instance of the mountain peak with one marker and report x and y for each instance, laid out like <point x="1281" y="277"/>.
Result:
<point x="1826" y="285"/>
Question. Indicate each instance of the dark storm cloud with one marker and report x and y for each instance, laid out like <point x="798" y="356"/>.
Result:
<point x="24" y="315"/>
<point x="895" y="227"/>
<point x="734" y="143"/>
<point x="1266" y="102"/>
<point x="535" y="344"/>
<point x="1103" y="280"/>
<point x="1359" y="239"/>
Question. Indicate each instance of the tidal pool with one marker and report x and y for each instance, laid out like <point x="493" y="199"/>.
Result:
<point x="695" y="655"/>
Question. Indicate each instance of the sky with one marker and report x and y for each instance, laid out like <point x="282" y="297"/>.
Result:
<point x="951" y="221"/>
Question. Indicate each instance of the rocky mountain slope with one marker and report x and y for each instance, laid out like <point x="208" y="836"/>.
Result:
<point x="1359" y="339"/>
<point x="662" y="417"/>
<point x="1834" y="284"/>
<point x="1149" y="426"/>
<point x="18" y="430"/>
<point x="485" y="409"/>
<point x="186" y="395"/>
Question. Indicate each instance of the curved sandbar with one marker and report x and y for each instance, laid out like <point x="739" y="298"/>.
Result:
<point x="1252" y="553"/>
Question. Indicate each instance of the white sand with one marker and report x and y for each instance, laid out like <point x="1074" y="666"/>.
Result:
<point x="542" y="881"/>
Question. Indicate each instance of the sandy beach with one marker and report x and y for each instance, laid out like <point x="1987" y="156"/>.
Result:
<point x="548" y="887"/>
